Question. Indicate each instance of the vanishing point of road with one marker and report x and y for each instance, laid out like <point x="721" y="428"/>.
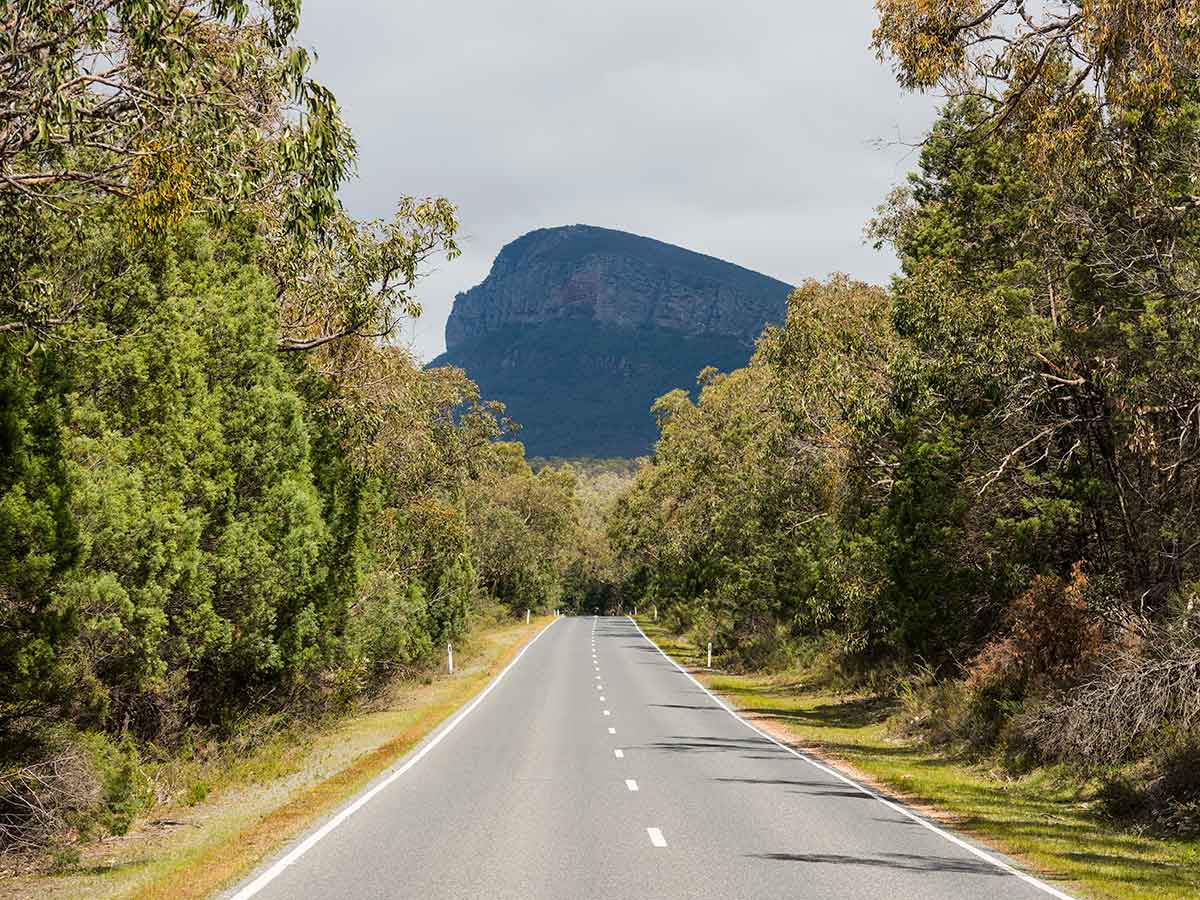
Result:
<point x="594" y="767"/>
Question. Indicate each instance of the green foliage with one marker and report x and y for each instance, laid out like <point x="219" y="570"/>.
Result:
<point x="38" y="537"/>
<point x="722" y="531"/>
<point x="527" y="523"/>
<point x="198" y="527"/>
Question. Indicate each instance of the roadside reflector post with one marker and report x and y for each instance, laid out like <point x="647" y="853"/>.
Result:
<point x="450" y="657"/>
<point x="526" y="617"/>
<point x="655" y="613"/>
<point x="710" y="654"/>
<point x="635" y="612"/>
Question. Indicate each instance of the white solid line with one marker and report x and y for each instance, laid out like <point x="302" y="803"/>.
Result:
<point x="612" y="731"/>
<point x="619" y="753"/>
<point x="308" y="843"/>
<point x="656" y="837"/>
<point x="895" y="807"/>
<point x="631" y="784"/>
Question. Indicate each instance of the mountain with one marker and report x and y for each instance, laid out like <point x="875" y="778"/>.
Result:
<point x="578" y="329"/>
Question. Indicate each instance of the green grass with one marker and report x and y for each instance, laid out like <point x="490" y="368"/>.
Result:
<point x="1043" y="819"/>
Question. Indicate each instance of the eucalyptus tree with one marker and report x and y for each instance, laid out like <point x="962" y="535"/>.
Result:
<point x="1050" y="249"/>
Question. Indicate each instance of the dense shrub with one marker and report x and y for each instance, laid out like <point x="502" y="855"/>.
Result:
<point x="1048" y="637"/>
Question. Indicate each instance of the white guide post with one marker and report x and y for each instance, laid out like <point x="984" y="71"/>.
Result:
<point x="710" y="654"/>
<point x="655" y="613"/>
<point x="450" y="657"/>
<point x="526" y="617"/>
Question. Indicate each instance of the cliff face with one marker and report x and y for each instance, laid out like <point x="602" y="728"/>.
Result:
<point x="585" y="273"/>
<point x="578" y="329"/>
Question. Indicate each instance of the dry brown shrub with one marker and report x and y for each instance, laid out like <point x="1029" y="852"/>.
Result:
<point x="1134" y="695"/>
<point x="40" y="803"/>
<point x="1051" y="636"/>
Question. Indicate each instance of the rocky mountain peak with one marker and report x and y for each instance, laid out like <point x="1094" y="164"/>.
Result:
<point x="578" y="329"/>
<point x="582" y="272"/>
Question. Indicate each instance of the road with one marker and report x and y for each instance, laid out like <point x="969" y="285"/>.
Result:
<point x="596" y="768"/>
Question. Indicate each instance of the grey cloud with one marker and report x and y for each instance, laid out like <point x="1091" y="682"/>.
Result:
<point x="745" y="130"/>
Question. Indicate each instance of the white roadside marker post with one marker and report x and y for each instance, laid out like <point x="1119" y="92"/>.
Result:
<point x="710" y="654"/>
<point x="635" y="612"/>
<point x="450" y="657"/>
<point x="655" y="613"/>
<point x="526" y="617"/>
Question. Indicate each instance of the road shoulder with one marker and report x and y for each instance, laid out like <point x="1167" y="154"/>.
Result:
<point x="1038" y="820"/>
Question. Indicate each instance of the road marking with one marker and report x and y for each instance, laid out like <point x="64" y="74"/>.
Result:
<point x="631" y="784"/>
<point x="607" y="713"/>
<point x="619" y="753"/>
<point x="308" y="843"/>
<point x="656" y="837"/>
<point x="599" y="687"/>
<point x="597" y="677"/>
<point x="601" y="698"/>
<point x="612" y="731"/>
<point x="895" y="807"/>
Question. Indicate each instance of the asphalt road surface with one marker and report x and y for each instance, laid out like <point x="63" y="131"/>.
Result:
<point x="596" y="768"/>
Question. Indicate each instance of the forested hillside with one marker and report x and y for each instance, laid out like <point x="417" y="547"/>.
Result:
<point x="977" y="490"/>
<point x="223" y="494"/>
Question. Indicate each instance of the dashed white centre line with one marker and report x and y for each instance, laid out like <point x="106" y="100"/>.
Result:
<point x="619" y="753"/>
<point x="599" y="687"/>
<point x="612" y="731"/>
<point x="656" y="837"/>
<point x="601" y="698"/>
<point x="597" y="677"/>
<point x="631" y="784"/>
<point x="607" y="713"/>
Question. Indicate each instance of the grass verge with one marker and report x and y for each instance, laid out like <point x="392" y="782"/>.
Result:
<point x="1044" y="819"/>
<point x="190" y="852"/>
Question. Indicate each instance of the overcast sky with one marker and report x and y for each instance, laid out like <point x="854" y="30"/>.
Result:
<point x="751" y="131"/>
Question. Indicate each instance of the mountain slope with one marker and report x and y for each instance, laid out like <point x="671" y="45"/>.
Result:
<point x="577" y="329"/>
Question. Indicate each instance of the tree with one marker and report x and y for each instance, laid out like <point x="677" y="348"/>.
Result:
<point x="1064" y="179"/>
<point x="169" y="104"/>
<point x="164" y="107"/>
